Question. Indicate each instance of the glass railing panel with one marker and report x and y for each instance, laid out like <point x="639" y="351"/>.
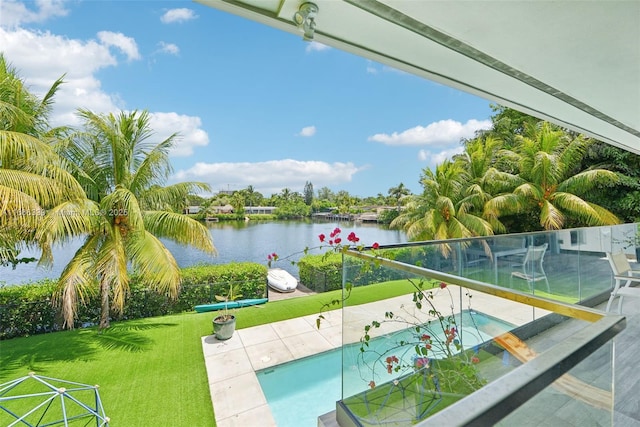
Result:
<point x="583" y="396"/>
<point x="406" y="354"/>
<point x="425" y="344"/>
<point x="572" y="266"/>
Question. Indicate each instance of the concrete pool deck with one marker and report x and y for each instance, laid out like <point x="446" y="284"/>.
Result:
<point x="231" y="365"/>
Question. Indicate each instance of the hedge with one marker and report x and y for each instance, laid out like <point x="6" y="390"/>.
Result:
<point x="29" y="309"/>
<point x="322" y="273"/>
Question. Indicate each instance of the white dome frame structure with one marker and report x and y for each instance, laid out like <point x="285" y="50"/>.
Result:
<point x="52" y="393"/>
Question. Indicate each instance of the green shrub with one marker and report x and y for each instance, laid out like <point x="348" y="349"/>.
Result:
<point x="29" y="309"/>
<point x="321" y="273"/>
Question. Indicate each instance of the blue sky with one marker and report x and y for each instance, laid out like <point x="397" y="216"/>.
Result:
<point x="253" y="105"/>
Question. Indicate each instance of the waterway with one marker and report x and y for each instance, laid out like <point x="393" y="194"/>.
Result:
<point x="249" y="241"/>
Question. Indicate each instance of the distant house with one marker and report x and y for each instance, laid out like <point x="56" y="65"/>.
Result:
<point x="191" y="210"/>
<point x="269" y="210"/>
<point x="226" y="209"/>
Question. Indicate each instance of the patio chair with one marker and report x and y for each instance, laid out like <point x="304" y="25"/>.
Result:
<point x="532" y="270"/>
<point x="622" y="272"/>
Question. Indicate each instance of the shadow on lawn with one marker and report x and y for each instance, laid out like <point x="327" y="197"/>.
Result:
<point x="35" y="352"/>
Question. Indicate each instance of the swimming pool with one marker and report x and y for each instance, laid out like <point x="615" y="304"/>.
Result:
<point x="298" y="392"/>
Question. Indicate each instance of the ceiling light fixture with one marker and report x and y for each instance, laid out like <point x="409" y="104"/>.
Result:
<point x="305" y="19"/>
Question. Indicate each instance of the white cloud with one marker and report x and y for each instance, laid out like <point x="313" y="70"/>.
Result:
<point x="315" y="46"/>
<point x="126" y="44"/>
<point x="189" y="128"/>
<point x="307" y="131"/>
<point x="271" y="176"/>
<point x="14" y="13"/>
<point x="42" y="57"/>
<point x="443" y="132"/>
<point x="169" y="48"/>
<point x="438" y="157"/>
<point x="178" y="15"/>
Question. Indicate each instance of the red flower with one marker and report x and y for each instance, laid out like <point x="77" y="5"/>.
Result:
<point x="425" y="337"/>
<point x="375" y="245"/>
<point x="335" y="232"/>
<point x="338" y="240"/>
<point x="443" y="285"/>
<point x="352" y="237"/>
<point x="273" y="256"/>
<point x="322" y="237"/>
<point x="475" y="359"/>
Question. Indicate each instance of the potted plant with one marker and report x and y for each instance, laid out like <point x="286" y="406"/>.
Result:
<point x="224" y="324"/>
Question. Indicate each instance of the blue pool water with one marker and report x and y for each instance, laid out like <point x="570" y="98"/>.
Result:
<point x="298" y="392"/>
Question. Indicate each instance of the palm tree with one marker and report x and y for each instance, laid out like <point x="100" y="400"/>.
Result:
<point x="441" y="212"/>
<point x="547" y="183"/>
<point x="480" y="160"/>
<point x="126" y="211"/>
<point x="32" y="176"/>
<point x="397" y="193"/>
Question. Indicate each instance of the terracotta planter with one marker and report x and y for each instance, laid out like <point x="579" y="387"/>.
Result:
<point x="223" y="328"/>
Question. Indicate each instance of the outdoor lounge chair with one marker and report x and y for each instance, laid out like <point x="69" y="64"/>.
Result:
<point x="622" y="272"/>
<point x="532" y="270"/>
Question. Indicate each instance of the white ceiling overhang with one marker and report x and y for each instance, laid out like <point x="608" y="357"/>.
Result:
<point x="572" y="62"/>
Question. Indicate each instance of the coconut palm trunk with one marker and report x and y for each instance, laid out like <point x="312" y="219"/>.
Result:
<point x="104" y="304"/>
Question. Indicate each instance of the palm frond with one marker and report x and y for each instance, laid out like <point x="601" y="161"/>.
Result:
<point x="590" y="213"/>
<point x="551" y="218"/>
<point x="77" y="281"/>
<point x="585" y="181"/>
<point x="155" y="264"/>
<point x="155" y="167"/>
<point x="179" y="228"/>
<point x="67" y="220"/>
<point x="160" y="198"/>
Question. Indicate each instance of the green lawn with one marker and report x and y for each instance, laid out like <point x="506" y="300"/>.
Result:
<point x="151" y="371"/>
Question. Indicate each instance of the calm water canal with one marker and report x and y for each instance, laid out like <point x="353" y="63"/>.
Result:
<point x="236" y="241"/>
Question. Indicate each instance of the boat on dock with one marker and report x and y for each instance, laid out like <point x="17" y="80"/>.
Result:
<point x="281" y="280"/>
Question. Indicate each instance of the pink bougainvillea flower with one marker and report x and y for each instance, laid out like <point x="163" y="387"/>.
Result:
<point x="443" y="285"/>
<point x="322" y="237"/>
<point x="375" y="245"/>
<point x="331" y="242"/>
<point x="353" y="238"/>
<point x="421" y="362"/>
<point x="338" y="240"/>
<point x="273" y="256"/>
<point x="335" y="232"/>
